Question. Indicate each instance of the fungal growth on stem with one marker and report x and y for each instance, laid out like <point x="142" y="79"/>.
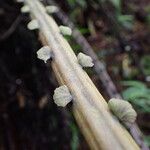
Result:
<point x="25" y="9"/>
<point x="44" y="53"/>
<point x="65" y="30"/>
<point x="52" y="9"/>
<point x="62" y="96"/>
<point x="85" y="60"/>
<point x="33" y="25"/>
<point x="123" y="110"/>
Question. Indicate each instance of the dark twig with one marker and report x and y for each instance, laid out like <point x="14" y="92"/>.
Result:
<point x="11" y="29"/>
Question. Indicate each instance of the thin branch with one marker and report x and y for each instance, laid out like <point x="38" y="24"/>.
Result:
<point x="87" y="100"/>
<point x="11" y="29"/>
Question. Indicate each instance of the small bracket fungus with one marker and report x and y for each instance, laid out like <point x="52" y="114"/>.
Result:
<point x="33" y="25"/>
<point x="25" y="9"/>
<point x="123" y="110"/>
<point x="62" y="96"/>
<point x="44" y="53"/>
<point x="85" y="60"/>
<point x="52" y="9"/>
<point x="65" y="30"/>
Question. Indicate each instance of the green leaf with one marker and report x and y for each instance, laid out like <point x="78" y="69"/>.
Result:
<point x="134" y="83"/>
<point x="133" y="93"/>
<point x="116" y="3"/>
<point x="75" y="137"/>
<point x="125" y="20"/>
<point x="138" y="94"/>
<point x="84" y="30"/>
<point x="147" y="140"/>
<point x="82" y="3"/>
<point x="145" y="63"/>
<point x="71" y="3"/>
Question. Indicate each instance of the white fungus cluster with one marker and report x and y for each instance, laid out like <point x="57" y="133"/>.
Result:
<point x="62" y="96"/>
<point x="65" y="30"/>
<point x="44" y="53"/>
<point x="123" y="110"/>
<point x="85" y="60"/>
<point x="33" y="25"/>
<point x="25" y="9"/>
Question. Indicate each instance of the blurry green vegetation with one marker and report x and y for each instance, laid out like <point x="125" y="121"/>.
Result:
<point x="117" y="4"/>
<point x="77" y="3"/>
<point x="138" y="94"/>
<point x="145" y="65"/>
<point x="147" y="140"/>
<point x="83" y="30"/>
<point x="75" y="137"/>
<point x="124" y="20"/>
<point x="147" y="10"/>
